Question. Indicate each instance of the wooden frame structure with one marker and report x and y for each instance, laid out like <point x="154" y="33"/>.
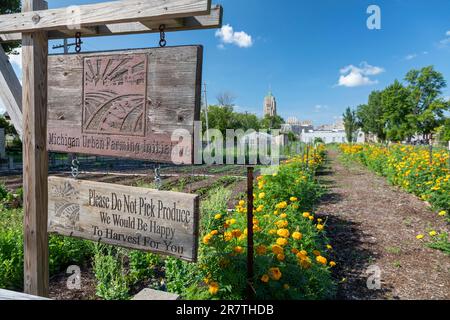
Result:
<point x="28" y="105"/>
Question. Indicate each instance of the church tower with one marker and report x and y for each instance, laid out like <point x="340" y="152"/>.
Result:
<point x="270" y="105"/>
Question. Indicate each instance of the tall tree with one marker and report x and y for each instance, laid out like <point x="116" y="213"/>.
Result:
<point x="398" y="112"/>
<point x="350" y="124"/>
<point x="272" y="122"/>
<point x="370" y="116"/>
<point x="7" y="7"/>
<point x="425" y="90"/>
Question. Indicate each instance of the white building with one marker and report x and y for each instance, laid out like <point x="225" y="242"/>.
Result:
<point x="329" y="136"/>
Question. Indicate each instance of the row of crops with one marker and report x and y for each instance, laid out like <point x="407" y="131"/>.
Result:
<point x="415" y="169"/>
<point x="293" y="257"/>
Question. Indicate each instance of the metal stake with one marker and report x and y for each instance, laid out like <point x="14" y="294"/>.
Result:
<point x="250" y="244"/>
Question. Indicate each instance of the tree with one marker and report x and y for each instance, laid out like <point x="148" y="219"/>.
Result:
<point x="370" y="116"/>
<point x="398" y="113"/>
<point x="220" y="118"/>
<point x="9" y="129"/>
<point x="425" y="88"/>
<point x="351" y="124"/>
<point x="7" y="7"/>
<point x="226" y="99"/>
<point x="272" y="122"/>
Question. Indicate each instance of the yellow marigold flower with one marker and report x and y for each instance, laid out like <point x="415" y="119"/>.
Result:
<point x="301" y="256"/>
<point x="329" y="247"/>
<point x="214" y="232"/>
<point x="265" y="278"/>
<point x="276" y="249"/>
<point x="238" y="249"/>
<point x="281" y="205"/>
<point x="261" y="195"/>
<point x="260" y="208"/>
<point x="304" y="252"/>
<point x="206" y="280"/>
<point x="227" y="236"/>
<point x="306" y="214"/>
<point x="276" y="212"/>
<point x="332" y="264"/>
<point x="320" y="227"/>
<point x="420" y="236"/>
<point x="218" y="216"/>
<point x="293" y="199"/>
<point x="283" y="216"/>
<point x="283" y="233"/>
<point x="432" y="233"/>
<point x="281" y="257"/>
<point x="319" y="220"/>
<point x="316" y="253"/>
<point x="261" y="250"/>
<point x="281" y="223"/>
<point x="282" y="242"/>
<point x="443" y="213"/>
<point x="275" y="274"/>
<point x="242" y="203"/>
<point x="232" y="221"/>
<point x="321" y="260"/>
<point x="207" y="239"/>
<point x="272" y="231"/>
<point x="297" y="235"/>
<point x="311" y="218"/>
<point x="213" y="288"/>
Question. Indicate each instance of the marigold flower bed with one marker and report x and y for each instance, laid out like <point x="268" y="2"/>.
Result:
<point x="409" y="167"/>
<point x="292" y="255"/>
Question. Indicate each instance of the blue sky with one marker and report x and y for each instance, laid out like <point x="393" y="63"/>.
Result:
<point x="304" y="49"/>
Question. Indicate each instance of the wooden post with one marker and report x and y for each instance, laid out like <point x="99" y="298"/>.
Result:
<point x="35" y="157"/>
<point x="250" y="245"/>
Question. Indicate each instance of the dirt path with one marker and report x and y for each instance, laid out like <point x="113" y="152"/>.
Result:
<point x="374" y="224"/>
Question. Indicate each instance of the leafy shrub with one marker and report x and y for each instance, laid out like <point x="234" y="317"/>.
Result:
<point x="110" y="273"/>
<point x="290" y="243"/>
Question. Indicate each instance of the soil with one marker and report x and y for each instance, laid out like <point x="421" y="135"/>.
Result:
<point x="372" y="223"/>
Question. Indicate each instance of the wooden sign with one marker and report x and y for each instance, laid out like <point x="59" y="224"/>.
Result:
<point x="125" y="103"/>
<point x="156" y="221"/>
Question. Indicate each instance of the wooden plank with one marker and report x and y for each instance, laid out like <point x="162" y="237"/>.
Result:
<point x="138" y="218"/>
<point x="11" y="92"/>
<point x="211" y="21"/>
<point x="12" y="295"/>
<point x="100" y="104"/>
<point x="35" y="159"/>
<point x="102" y="13"/>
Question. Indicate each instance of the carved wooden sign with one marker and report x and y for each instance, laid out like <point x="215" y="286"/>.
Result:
<point x="137" y="218"/>
<point x="125" y="103"/>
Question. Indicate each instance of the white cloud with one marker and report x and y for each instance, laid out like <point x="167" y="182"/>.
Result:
<point x="444" y="42"/>
<point x="320" y="107"/>
<point x="411" y="56"/>
<point x="228" y="36"/>
<point x="352" y="76"/>
<point x="448" y="33"/>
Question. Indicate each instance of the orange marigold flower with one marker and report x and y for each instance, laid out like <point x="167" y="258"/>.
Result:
<point x="261" y="250"/>
<point x="277" y="249"/>
<point x="213" y="288"/>
<point x="275" y="274"/>
<point x="321" y="260"/>
<point x="265" y="278"/>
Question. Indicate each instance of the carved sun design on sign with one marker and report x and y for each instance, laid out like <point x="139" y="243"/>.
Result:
<point x="115" y="94"/>
<point x="67" y="212"/>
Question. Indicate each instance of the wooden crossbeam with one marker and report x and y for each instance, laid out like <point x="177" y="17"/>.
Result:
<point x="211" y="21"/>
<point x="101" y="14"/>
